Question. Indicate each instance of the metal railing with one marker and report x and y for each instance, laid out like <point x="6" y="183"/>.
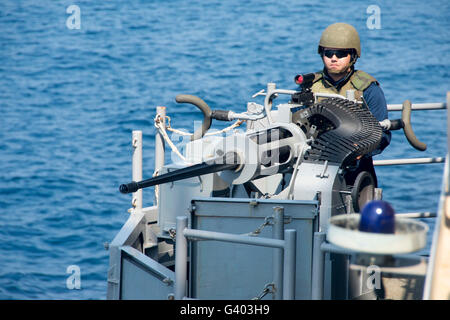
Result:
<point x="392" y="162"/>
<point x="419" y="106"/>
<point x="288" y="245"/>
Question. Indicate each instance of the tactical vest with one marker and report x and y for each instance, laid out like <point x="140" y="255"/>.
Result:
<point x="359" y="81"/>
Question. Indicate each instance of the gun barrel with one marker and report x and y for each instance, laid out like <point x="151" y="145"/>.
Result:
<point x="220" y="164"/>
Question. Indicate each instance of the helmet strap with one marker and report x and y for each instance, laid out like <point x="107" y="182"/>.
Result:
<point x="354" y="57"/>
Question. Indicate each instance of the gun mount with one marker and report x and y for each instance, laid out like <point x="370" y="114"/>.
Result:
<point x="275" y="185"/>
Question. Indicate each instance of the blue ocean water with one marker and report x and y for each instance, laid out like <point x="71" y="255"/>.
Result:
<point x="69" y="99"/>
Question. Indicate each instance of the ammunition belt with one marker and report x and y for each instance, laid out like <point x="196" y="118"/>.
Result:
<point x="346" y="131"/>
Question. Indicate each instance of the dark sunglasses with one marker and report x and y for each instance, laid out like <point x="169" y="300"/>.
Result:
<point x="340" y="53"/>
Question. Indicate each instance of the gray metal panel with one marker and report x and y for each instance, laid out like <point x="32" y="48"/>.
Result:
<point x="143" y="278"/>
<point x="174" y="197"/>
<point x="230" y="271"/>
<point x="130" y="231"/>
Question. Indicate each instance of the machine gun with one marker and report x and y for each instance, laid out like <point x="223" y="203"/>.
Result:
<point x="335" y="131"/>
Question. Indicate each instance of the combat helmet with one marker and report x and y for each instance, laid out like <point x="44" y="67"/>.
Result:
<point x="341" y="36"/>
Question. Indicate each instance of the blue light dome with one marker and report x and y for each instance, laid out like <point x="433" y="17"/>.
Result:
<point x="377" y="216"/>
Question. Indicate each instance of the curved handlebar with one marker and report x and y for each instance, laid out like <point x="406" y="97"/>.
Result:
<point x="199" y="103"/>
<point x="407" y="128"/>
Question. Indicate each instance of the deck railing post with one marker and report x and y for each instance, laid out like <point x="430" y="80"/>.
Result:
<point x="159" y="139"/>
<point x="318" y="267"/>
<point x="277" y="233"/>
<point x="136" y="200"/>
<point x="181" y="257"/>
<point x="290" y="238"/>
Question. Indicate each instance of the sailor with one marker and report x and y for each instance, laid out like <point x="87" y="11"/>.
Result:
<point x="340" y="48"/>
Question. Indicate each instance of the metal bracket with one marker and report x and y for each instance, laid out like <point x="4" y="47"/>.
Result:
<point x="319" y="197"/>
<point x="287" y="219"/>
<point x="322" y="174"/>
<point x="167" y="281"/>
<point x="253" y="203"/>
<point x="172" y="233"/>
<point x="312" y="132"/>
<point x="268" y="288"/>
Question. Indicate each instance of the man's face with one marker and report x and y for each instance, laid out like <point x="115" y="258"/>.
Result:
<point x="334" y="64"/>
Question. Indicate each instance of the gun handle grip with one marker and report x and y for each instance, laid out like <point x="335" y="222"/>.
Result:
<point x="407" y="128"/>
